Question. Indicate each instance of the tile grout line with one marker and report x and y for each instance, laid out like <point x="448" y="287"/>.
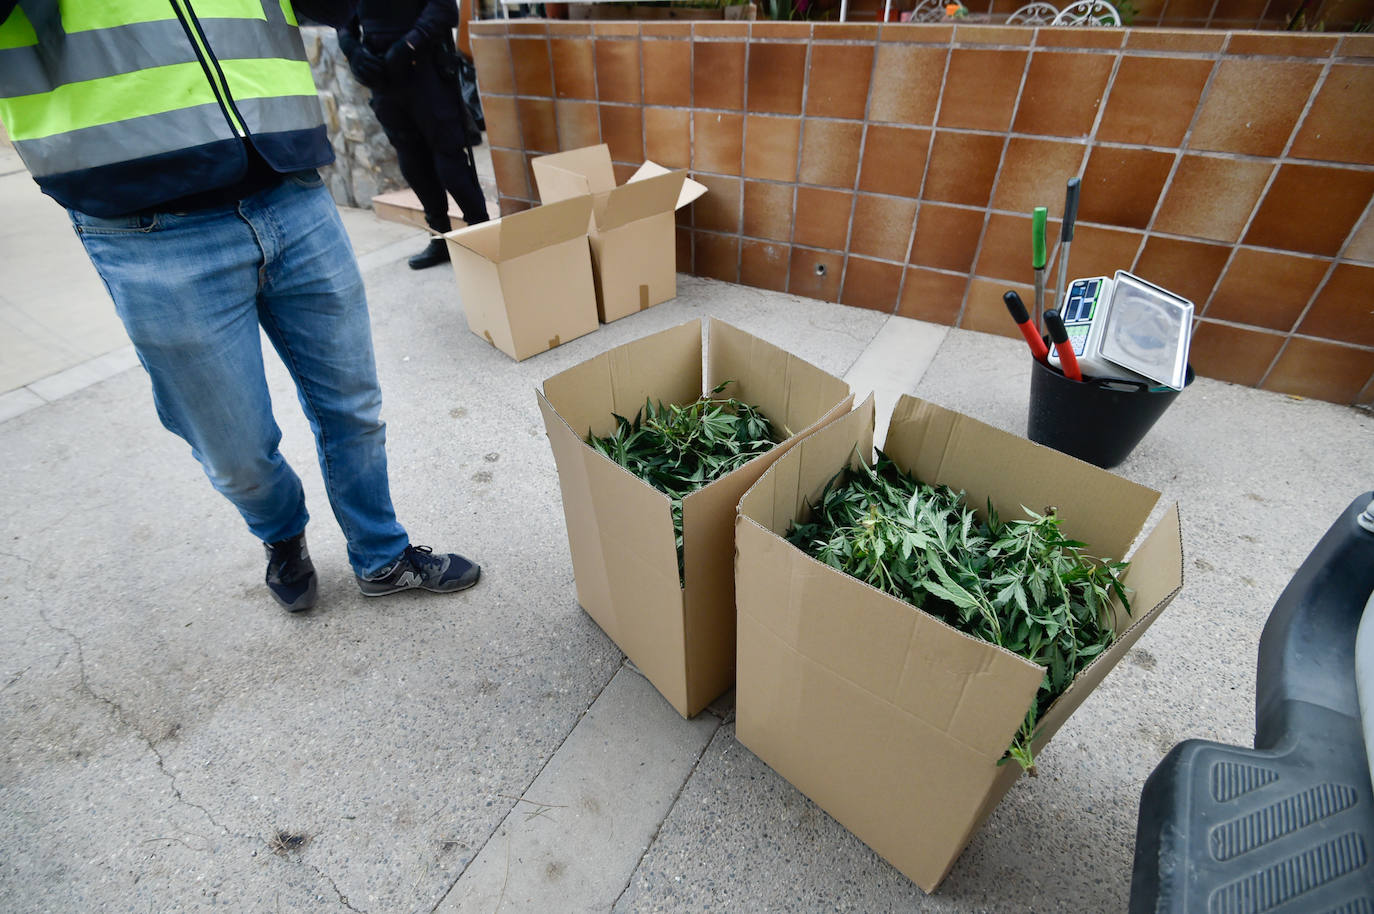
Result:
<point x="743" y="140"/>
<point x="801" y="148"/>
<point x="925" y="176"/>
<point x="858" y="181"/>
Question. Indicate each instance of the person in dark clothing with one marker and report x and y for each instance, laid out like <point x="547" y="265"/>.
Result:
<point x="403" y="51"/>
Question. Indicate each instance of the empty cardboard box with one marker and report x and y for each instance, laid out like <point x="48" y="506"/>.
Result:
<point x="632" y="229"/>
<point x="890" y="720"/>
<point x="525" y="280"/>
<point x="620" y="529"/>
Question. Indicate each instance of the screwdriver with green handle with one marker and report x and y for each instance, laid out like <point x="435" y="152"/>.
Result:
<point x="1038" y="218"/>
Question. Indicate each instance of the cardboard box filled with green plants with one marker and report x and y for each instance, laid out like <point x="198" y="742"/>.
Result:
<point x="915" y="626"/>
<point x="653" y="456"/>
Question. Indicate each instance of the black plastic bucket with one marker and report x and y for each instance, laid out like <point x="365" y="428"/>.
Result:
<point x="1097" y="420"/>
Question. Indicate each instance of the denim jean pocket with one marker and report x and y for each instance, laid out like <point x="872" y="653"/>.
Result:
<point x="308" y="178"/>
<point x="119" y="225"/>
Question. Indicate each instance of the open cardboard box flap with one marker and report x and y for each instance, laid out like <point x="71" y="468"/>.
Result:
<point x="835" y="676"/>
<point x="691" y="190"/>
<point x="680" y="633"/>
<point x="524" y="232"/>
<point x="575" y="173"/>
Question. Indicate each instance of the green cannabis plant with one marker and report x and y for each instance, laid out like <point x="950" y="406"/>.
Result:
<point x="679" y="449"/>
<point x="1019" y="584"/>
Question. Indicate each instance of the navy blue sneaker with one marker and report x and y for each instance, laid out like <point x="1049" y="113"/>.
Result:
<point x="291" y="574"/>
<point x="419" y="567"/>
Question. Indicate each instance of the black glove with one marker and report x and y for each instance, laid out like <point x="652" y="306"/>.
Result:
<point x="400" y="61"/>
<point x="348" y="43"/>
<point x="369" y="69"/>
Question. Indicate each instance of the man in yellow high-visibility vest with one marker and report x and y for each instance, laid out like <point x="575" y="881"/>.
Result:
<point x="183" y="137"/>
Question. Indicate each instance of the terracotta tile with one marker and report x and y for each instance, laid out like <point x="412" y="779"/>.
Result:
<point x="985" y="311"/>
<point x="798" y="31"/>
<point x="1361" y="246"/>
<point x="1252" y="106"/>
<point x="1211" y="197"/>
<point x="503" y="124"/>
<point x="838" y="83"/>
<point x="611" y="29"/>
<point x="1097" y="252"/>
<point x="963" y="167"/>
<point x="844" y="31"/>
<point x="1337" y="127"/>
<point x="770" y="147"/>
<point x="871" y="284"/>
<point x="776" y="77"/>
<point x="882" y="227"/>
<point x="491" y="57"/>
<point x="1123" y="186"/>
<point x="721" y="29"/>
<point x="931" y="296"/>
<point x="764" y="265"/>
<point x="716" y="256"/>
<point x="1233" y="354"/>
<point x="1266" y="289"/>
<point x="768" y="210"/>
<point x="894" y="160"/>
<point x="1311" y="208"/>
<point x="1174" y="40"/>
<point x="718" y="210"/>
<point x="1356" y="46"/>
<point x="511" y="178"/>
<point x="668" y="136"/>
<point x="527" y="27"/>
<point x="718" y="74"/>
<point x="991" y="34"/>
<point x="538" y="128"/>
<point x="622" y="129"/>
<point x="488" y="27"/>
<point x="1323" y="371"/>
<point x="815" y="274"/>
<point x="1108" y="39"/>
<point x="665" y="29"/>
<point x="987" y="82"/>
<point x="1344" y="308"/>
<point x="1049" y="106"/>
<point x="1187" y="268"/>
<point x="1006" y="251"/>
<point x="667" y="72"/>
<point x="509" y="205"/>
<point x="569" y="29"/>
<point x="617" y="71"/>
<point x="1278" y="44"/>
<point x="822" y="218"/>
<point x="530" y="59"/>
<point x="830" y="152"/>
<point x="574" y="68"/>
<point x="921" y="33"/>
<point x="717" y="141"/>
<point x="1034" y="173"/>
<point x="684" y="249"/>
<point x="579" y="124"/>
<point x="1153" y="100"/>
<point x="623" y="171"/>
<point x="947" y="237"/>
<point x="906" y="83"/>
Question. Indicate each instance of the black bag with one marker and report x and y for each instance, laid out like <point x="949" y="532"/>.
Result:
<point x="451" y="64"/>
<point x="467" y="79"/>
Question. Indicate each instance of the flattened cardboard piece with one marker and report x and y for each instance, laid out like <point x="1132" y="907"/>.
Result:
<point x="574" y="173"/>
<point x="638" y="600"/>
<point x="836" y="677"/>
<point x="691" y="190"/>
<point x="525" y="281"/>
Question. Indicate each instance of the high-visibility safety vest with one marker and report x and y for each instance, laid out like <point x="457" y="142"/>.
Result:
<point x="116" y="106"/>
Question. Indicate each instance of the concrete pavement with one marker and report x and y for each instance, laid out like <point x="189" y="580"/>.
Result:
<point x="174" y="742"/>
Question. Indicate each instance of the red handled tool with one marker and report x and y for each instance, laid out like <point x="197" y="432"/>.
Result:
<point x="1022" y="319"/>
<point x="1055" y="324"/>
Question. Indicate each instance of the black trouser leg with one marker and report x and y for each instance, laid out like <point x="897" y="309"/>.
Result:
<point x="414" y="156"/>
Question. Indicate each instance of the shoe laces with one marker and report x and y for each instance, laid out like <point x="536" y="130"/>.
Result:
<point x="421" y="556"/>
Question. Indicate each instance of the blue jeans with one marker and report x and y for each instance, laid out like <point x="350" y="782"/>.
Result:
<point x="192" y="290"/>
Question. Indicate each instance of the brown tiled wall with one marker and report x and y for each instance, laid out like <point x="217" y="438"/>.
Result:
<point x="895" y="167"/>
<point x="1331" y="15"/>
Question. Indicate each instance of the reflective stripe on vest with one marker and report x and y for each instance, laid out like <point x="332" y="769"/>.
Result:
<point x="127" y="79"/>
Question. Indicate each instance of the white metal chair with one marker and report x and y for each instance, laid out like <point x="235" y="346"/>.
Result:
<point x="1038" y="13"/>
<point x="1089" y="12"/>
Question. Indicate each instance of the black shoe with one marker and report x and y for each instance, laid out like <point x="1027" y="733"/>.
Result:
<point x="291" y="574"/>
<point x="433" y="255"/>
<point x="419" y="567"/>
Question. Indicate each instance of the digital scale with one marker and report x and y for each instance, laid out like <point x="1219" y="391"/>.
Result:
<point x="1125" y="327"/>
